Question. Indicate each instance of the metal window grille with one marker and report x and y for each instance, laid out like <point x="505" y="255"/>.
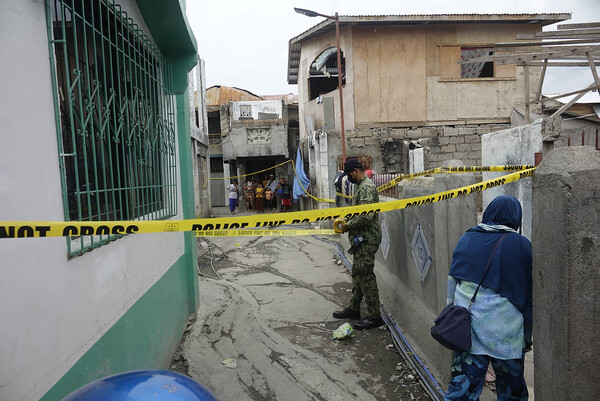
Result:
<point x="245" y="111"/>
<point x="114" y="118"/>
<point x="216" y="165"/>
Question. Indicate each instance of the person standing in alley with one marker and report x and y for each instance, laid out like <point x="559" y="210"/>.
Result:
<point x="233" y="195"/>
<point x="249" y="194"/>
<point x="269" y="198"/>
<point x="259" y="197"/>
<point x="364" y="233"/>
<point x="286" y="195"/>
<point x="279" y="193"/>
<point x="501" y="316"/>
<point x="272" y="184"/>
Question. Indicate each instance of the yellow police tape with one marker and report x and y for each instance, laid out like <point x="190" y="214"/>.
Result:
<point x="22" y="229"/>
<point x="263" y="233"/>
<point x="443" y="170"/>
<point x="461" y="169"/>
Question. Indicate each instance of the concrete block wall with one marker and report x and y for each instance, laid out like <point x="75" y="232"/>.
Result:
<point x="566" y="274"/>
<point x="452" y="142"/>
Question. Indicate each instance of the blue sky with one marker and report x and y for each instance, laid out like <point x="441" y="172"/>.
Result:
<point x="244" y="43"/>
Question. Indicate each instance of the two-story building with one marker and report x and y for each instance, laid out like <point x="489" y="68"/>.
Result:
<point x="406" y="78"/>
<point x="249" y="133"/>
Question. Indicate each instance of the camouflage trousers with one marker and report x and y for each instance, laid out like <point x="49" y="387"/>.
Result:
<point x="363" y="280"/>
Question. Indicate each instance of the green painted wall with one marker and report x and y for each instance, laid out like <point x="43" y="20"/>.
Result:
<point x="187" y="193"/>
<point x="144" y="338"/>
<point x="169" y="27"/>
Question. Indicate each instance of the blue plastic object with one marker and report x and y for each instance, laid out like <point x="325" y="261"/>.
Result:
<point x="142" y="385"/>
<point x="356" y="241"/>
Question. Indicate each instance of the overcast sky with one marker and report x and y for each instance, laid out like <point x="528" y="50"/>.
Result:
<point x="244" y="43"/>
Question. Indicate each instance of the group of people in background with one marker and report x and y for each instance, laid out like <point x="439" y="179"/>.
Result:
<point x="268" y="195"/>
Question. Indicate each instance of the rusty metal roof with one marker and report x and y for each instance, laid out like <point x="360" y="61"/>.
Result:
<point x="328" y="25"/>
<point x="218" y="94"/>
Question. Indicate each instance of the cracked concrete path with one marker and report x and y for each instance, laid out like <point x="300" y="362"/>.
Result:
<point x="269" y="316"/>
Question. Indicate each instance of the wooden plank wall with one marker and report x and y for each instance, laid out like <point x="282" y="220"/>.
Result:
<point x="389" y="74"/>
<point x="406" y="74"/>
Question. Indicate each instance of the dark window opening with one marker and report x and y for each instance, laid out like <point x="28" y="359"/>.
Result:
<point x="476" y="69"/>
<point x="214" y="122"/>
<point x="216" y="165"/>
<point x="214" y="127"/>
<point x="323" y="74"/>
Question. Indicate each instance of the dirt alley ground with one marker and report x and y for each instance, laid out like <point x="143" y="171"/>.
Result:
<point x="264" y="327"/>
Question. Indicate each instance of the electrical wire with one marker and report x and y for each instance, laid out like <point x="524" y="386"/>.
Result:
<point x="212" y="266"/>
<point x="212" y="245"/>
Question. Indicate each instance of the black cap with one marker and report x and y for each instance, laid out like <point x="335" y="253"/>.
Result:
<point x="350" y="165"/>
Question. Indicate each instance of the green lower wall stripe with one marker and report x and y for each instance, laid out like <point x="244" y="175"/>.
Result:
<point x="187" y="190"/>
<point x="144" y="338"/>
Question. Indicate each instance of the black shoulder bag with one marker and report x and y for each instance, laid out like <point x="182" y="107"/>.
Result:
<point x="452" y="328"/>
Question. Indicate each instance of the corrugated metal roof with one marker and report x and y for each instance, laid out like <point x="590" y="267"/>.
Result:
<point x="327" y="25"/>
<point x="218" y="94"/>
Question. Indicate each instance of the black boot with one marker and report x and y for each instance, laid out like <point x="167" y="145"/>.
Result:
<point x="347" y="313"/>
<point x="369" y="323"/>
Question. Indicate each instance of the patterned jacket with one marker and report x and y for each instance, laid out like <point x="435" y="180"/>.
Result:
<point x="366" y="225"/>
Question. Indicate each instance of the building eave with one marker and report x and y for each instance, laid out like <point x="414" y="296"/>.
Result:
<point x="171" y="32"/>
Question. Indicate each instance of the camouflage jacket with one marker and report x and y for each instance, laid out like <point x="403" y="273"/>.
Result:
<point x="367" y="225"/>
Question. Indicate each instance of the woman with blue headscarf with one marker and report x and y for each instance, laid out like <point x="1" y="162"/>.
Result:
<point x="501" y="317"/>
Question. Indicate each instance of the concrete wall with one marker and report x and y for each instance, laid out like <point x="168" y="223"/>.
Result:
<point x="413" y="302"/>
<point x="566" y="277"/>
<point x="310" y="50"/>
<point x="255" y="137"/>
<point x="498" y="148"/>
<point x="53" y="309"/>
<point x="255" y="108"/>
<point x="441" y="143"/>
<point x="323" y="155"/>
<point x="200" y="145"/>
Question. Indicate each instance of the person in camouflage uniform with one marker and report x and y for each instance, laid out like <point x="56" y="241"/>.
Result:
<point x="367" y="226"/>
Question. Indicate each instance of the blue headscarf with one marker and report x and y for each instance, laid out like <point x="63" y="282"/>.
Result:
<point x="510" y="270"/>
<point x="503" y="210"/>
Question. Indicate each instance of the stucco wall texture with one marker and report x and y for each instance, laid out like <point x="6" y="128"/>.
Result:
<point x="566" y="276"/>
<point x="498" y="148"/>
